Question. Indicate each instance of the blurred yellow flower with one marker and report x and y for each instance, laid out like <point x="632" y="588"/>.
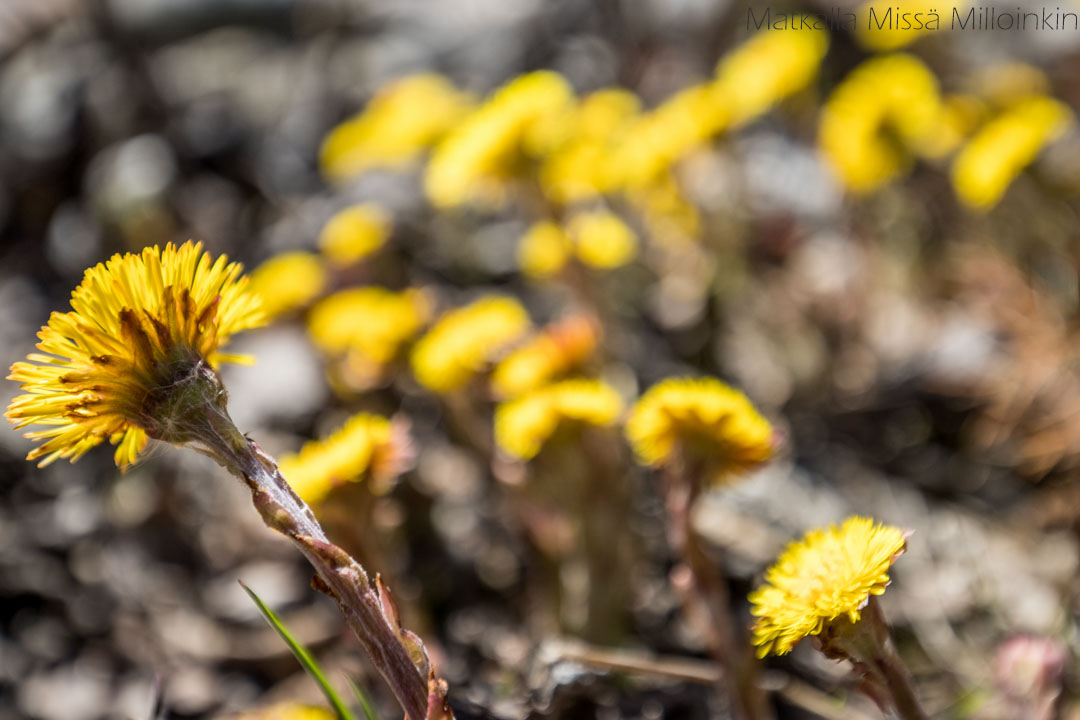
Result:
<point x="703" y="417"/>
<point x="402" y="119"/>
<point x="373" y="320"/>
<point x="580" y="169"/>
<point x="288" y="282"/>
<point x="657" y="139"/>
<point x="139" y="325"/>
<point x="1005" y="84"/>
<point x="827" y="575"/>
<point x="992" y="159"/>
<point x="544" y="250"/>
<point x="354" y="233"/>
<point x="601" y="239"/>
<point x="365" y="447"/>
<point x="473" y="163"/>
<point x="667" y="213"/>
<point x="285" y="711"/>
<point x="524" y="424"/>
<point x="767" y="68"/>
<point x="887" y="108"/>
<point x="465" y="340"/>
<point x="899" y="23"/>
<point x="557" y="349"/>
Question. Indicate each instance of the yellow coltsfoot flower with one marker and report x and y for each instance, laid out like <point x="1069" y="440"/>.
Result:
<point x="700" y="419"/>
<point x="365" y="447"/>
<point x="524" y="424"/>
<point x="561" y="347"/>
<point x="288" y="282"/>
<point x="354" y="233"/>
<point x="829" y="575"/>
<point x="987" y="165"/>
<point x="465" y="340"/>
<point x="134" y="357"/>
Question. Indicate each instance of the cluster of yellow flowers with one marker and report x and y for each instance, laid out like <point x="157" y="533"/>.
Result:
<point x="890" y="109"/>
<point x="366" y="447"/>
<point x="116" y="367"/>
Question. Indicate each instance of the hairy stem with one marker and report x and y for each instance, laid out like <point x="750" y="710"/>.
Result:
<point x="368" y="606"/>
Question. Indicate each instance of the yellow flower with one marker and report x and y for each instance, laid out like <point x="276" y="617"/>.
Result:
<point x="354" y="233"/>
<point x="702" y="416"/>
<point x="403" y="119"/>
<point x="473" y="163"/>
<point x="654" y="141"/>
<point x="601" y="239"/>
<point x="544" y="250"/>
<point x="288" y="282"/>
<point x="827" y="575"/>
<point x="463" y="341"/>
<point x="366" y="446"/>
<point x="373" y="320"/>
<point x="667" y="213"/>
<point x="579" y="169"/>
<point x="140" y="325"/>
<point x="766" y="69"/>
<point x="991" y="160"/>
<point x="524" y="424"/>
<point x="561" y="347"/>
<point x="285" y="711"/>
<point x="886" y="109"/>
<point x="885" y="32"/>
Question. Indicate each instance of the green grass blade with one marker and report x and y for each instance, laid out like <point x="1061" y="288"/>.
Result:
<point x="303" y="656"/>
<point x="362" y="698"/>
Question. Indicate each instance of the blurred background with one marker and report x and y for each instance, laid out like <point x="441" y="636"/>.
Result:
<point x="872" y="233"/>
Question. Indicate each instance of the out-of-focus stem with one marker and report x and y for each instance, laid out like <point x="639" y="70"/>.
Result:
<point x="370" y="610"/>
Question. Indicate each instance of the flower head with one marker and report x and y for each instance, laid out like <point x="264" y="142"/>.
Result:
<point x="474" y="161"/>
<point x="465" y="340"/>
<point x="544" y="250"/>
<point x="987" y="165"/>
<point x="288" y="282"/>
<point x="141" y="330"/>
<point x="559" y="348"/>
<point x="354" y="233"/>
<point x="402" y="120"/>
<point x="887" y="109"/>
<point x="366" y="446"/>
<point x="524" y="424"/>
<point x="827" y="575"/>
<point x="703" y="417"/>
<point x="602" y="240"/>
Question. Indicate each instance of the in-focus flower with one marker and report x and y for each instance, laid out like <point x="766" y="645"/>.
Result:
<point x="524" y="424"/>
<point x="992" y="159"/>
<point x="366" y="447"/>
<point x="287" y="282"/>
<point x="704" y="420"/>
<point x="465" y="340"/>
<point x="402" y="120"/>
<point x="354" y="233"/>
<point x="544" y="250"/>
<point x="559" y="348"/>
<point x="887" y="109"/>
<point x="474" y="162"/>
<point x="127" y="362"/>
<point x="766" y="69"/>
<point x="601" y="239"/>
<point x="828" y="575"/>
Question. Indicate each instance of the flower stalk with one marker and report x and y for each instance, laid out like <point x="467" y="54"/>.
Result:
<point x="368" y="607"/>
